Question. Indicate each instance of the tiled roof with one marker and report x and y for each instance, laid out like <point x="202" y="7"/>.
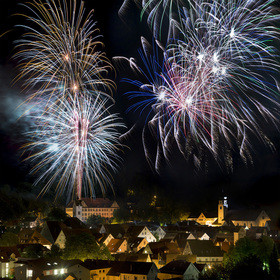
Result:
<point x="141" y="268"/>
<point x="135" y="241"/>
<point x="134" y="231"/>
<point x="48" y="264"/>
<point x="175" y="267"/>
<point x="114" y="245"/>
<point x="97" y="264"/>
<point x="204" y="248"/>
<point x="74" y="222"/>
<point x="117" y="230"/>
<point x="243" y="215"/>
<point x="94" y="203"/>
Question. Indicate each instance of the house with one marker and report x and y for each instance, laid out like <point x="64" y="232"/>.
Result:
<point x="104" y="238"/>
<point x="87" y="206"/>
<point x="117" y="246"/>
<point x="164" y="252"/>
<point x="248" y="218"/>
<point x="8" y="257"/>
<point x="240" y="232"/>
<point x="203" y="252"/>
<point x="256" y="232"/>
<point x="51" y="230"/>
<point x="159" y="233"/>
<point x="41" y="268"/>
<point x="181" y="269"/>
<point x="31" y="236"/>
<point x="140" y="231"/>
<point x="91" y="269"/>
<point x="133" y="271"/>
<point x="137" y="243"/>
<point x="202" y="220"/>
<point x="114" y="270"/>
<point x="133" y="257"/>
<point x="116" y="230"/>
<point x="66" y="233"/>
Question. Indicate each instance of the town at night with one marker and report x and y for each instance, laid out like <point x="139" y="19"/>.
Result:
<point x="140" y="140"/>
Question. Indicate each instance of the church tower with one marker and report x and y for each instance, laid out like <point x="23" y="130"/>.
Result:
<point x="222" y="209"/>
<point x="77" y="209"/>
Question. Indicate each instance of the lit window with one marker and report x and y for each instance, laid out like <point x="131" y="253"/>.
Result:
<point x="55" y="272"/>
<point x="29" y="273"/>
<point x="62" y="270"/>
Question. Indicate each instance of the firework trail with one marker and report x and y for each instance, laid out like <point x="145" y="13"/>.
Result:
<point x="74" y="144"/>
<point x="214" y="83"/>
<point x="158" y="12"/>
<point x="73" y="137"/>
<point x="60" y="53"/>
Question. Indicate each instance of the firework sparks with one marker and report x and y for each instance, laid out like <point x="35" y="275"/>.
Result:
<point x="74" y="145"/>
<point x="216" y="81"/>
<point x="74" y="136"/>
<point x="60" y="53"/>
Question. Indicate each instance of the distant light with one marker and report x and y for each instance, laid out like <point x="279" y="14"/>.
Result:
<point x="223" y="72"/>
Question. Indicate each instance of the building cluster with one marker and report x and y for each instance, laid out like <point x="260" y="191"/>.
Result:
<point x="142" y="251"/>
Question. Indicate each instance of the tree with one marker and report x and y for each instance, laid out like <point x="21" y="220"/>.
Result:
<point x="274" y="264"/>
<point x="83" y="246"/>
<point x="250" y="268"/>
<point x="243" y="248"/>
<point x="265" y="248"/>
<point x="9" y="239"/>
<point x="55" y="252"/>
<point x="122" y="215"/>
<point x="94" y="221"/>
<point x="56" y="214"/>
<point x="33" y="251"/>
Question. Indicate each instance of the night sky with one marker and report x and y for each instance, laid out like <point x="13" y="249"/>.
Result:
<point x="247" y="186"/>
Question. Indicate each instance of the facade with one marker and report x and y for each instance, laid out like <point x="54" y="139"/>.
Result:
<point x="65" y="233"/>
<point x="114" y="270"/>
<point x="133" y="271"/>
<point x="248" y="218"/>
<point x="160" y="233"/>
<point x="180" y="269"/>
<point x="40" y="268"/>
<point x="117" y="246"/>
<point x="87" y="206"/>
<point x="203" y="252"/>
<point x="137" y="243"/>
<point x="140" y="231"/>
<point x="8" y="257"/>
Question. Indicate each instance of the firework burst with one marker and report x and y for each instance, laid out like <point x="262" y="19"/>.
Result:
<point x="73" y="138"/>
<point x="74" y="145"/>
<point x="216" y="82"/>
<point x="60" y="52"/>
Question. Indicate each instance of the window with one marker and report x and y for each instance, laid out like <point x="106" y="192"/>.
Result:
<point x="62" y="271"/>
<point x="55" y="272"/>
<point x="221" y="207"/>
<point x="29" y="273"/>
